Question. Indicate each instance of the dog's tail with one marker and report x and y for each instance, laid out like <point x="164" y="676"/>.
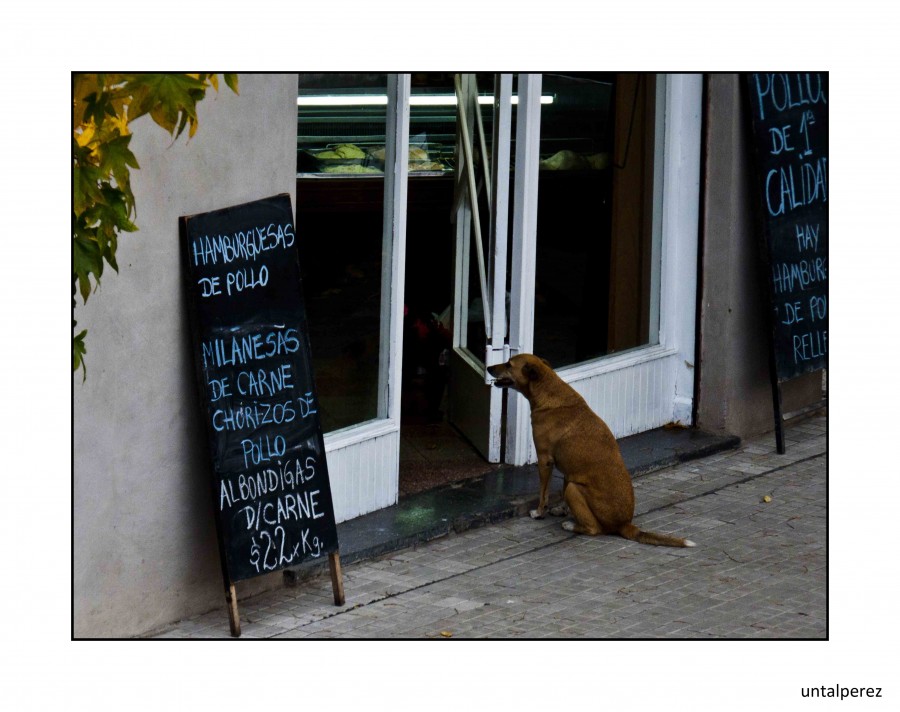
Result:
<point x="630" y="531"/>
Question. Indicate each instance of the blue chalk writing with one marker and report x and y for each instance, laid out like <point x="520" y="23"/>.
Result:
<point x="243" y="245"/>
<point x="792" y="186"/>
<point x="787" y="91"/>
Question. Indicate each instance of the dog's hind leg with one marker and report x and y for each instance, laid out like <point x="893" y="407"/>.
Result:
<point x="585" y="521"/>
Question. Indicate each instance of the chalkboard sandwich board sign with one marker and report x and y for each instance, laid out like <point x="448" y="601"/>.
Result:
<point x="257" y="395"/>
<point x="789" y="135"/>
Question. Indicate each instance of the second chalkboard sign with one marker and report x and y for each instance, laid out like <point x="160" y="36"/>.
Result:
<point x="789" y="118"/>
<point x="789" y="134"/>
<point x="258" y="399"/>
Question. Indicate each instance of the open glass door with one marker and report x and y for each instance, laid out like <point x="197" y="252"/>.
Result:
<point x="481" y="209"/>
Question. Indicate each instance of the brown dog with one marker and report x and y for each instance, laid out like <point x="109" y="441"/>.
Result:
<point x="571" y="437"/>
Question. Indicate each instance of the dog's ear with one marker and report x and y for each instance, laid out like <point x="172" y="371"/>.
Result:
<point x="531" y="372"/>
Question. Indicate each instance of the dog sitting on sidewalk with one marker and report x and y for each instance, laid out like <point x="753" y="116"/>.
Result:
<point x="570" y="436"/>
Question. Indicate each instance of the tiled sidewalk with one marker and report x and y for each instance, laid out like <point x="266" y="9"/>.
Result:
<point x="758" y="571"/>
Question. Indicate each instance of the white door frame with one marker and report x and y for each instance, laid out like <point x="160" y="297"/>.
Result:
<point x="645" y="387"/>
<point x="497" y="348"/>
<point x="475" y="408"/>
<point x="524" y="258"/>
<point x="364" y="459"/>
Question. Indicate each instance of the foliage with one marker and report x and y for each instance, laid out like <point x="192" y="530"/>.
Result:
<point x="102" y="202"/>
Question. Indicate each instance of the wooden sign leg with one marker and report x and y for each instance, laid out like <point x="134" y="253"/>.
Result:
<point x="776" y="401"/>
<point x="337" y="578"/>
<point x="234" y="616"/>
<point x="779" y="418"/>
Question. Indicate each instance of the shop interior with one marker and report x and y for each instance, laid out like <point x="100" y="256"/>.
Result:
<point x="594" y="243"/>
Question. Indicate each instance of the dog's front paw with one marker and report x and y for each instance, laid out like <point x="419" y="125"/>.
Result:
<point x="536" y="514"/>
<point x="559" y="511"/>
<point x="568" y="525"/>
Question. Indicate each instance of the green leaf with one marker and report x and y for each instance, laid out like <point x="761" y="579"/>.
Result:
<point x="86" y="260"/>
<point x="165" y="97"/>
<point x="116" y="158"/>
<point x="97" y="108"/>
<point x="105" y="221"/>
<point x="166" y="116"/>
<point x="78" y="352"/>
<point x="232" y="81"/>
<point x="86" y="187"/>
<point x="117" y="207"/>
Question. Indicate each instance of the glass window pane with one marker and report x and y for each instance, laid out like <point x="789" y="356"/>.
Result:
<point x="595" y="252"/>
<point x="341" y="122"/>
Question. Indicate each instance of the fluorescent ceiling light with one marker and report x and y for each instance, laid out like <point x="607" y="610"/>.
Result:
<point x="381" y="100"/>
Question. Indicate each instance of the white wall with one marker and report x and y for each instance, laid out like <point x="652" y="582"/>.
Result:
<point x="145" y="551"/>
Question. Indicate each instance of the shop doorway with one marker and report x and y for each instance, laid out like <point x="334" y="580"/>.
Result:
<point x="386" y="217"/>
<point x="467" y="120"/>
<point x="436" y="449"/>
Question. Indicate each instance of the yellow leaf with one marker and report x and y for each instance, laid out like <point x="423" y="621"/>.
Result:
<point x="120" y="122"/>
<point x="84" y="134"/>
<point x="214" y="80"/>
<point x="446" y="634"/>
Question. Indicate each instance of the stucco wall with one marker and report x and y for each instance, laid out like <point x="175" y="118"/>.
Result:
<point x="735" y="394"/>
<point x="145" y="551"/>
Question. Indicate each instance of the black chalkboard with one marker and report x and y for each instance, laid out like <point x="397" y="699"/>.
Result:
<point x="257" y="395"/>
<point x="789" y="122"/>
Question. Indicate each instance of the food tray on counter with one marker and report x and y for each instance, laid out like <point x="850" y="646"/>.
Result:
<point x="363" y="159"/>
<point x="333" y="157"/>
